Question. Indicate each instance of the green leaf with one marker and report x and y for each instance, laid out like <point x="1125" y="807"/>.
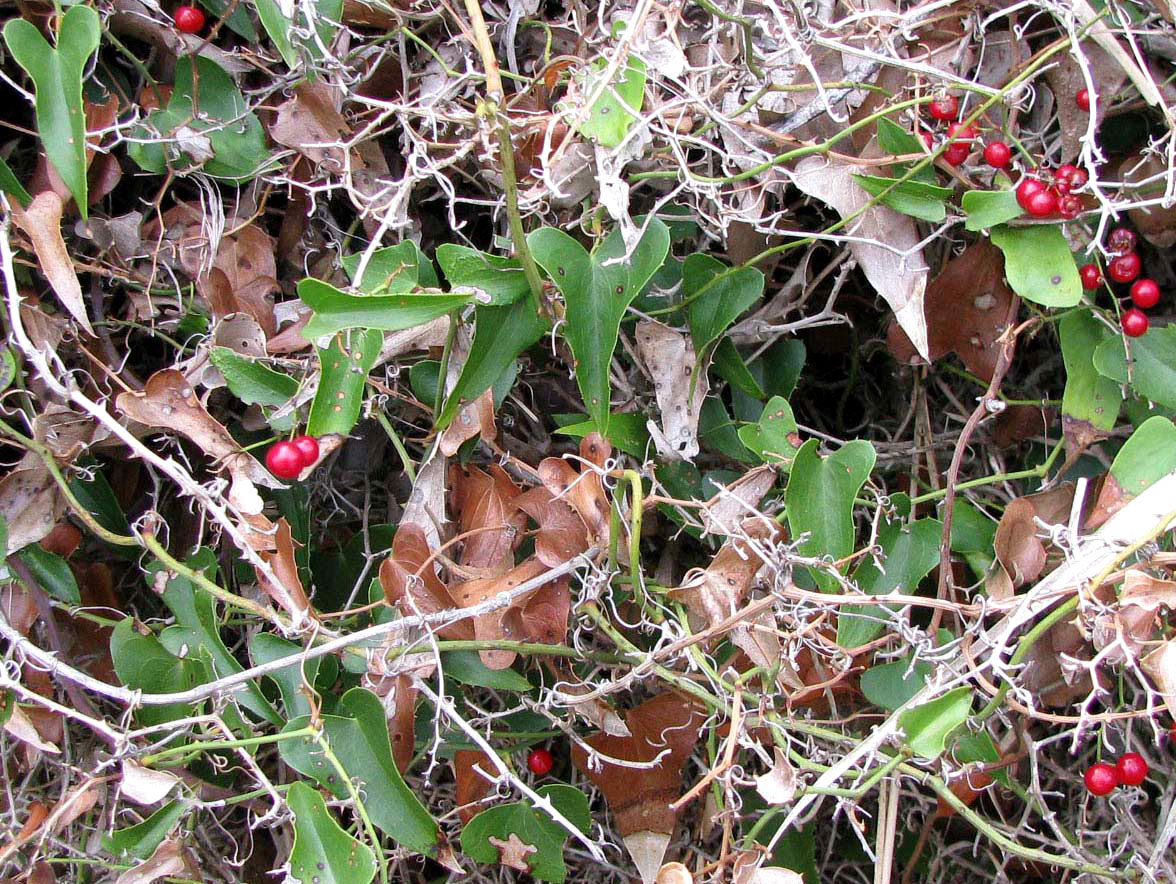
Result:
<point x="56" y="73"/>
<point x="1089" y="397"/>
<point x="927" y="727"/>
<point x="716" y="295"/>
<point x="500" y="335"/>
<point x="292" y="680"/>
<point x="277" y="28"/>
<point x="502" y="279"/>
<point x="1039" y="265"/>
<point x="358" y="736"/>
<point x="251" y="381"/>
<point x="971" y="747"/>
<point x="626" y="431"/>
<point x="988" y="208"/>
<point x="94" y="493"/>
<point x="728" y="362"/>
<point x="335" y="310"/>
<point x="597" y="290"/>
<point x="889" y="685"/>
<point x="717" y="431"/>
<point x="972" y="535"/>
<point x="392" y="270"/>
<point x="323" y="853"/>
<point x="532" y="827"/>
<point x="52" y="572"/>
<point x="909" y="552"/>
<point x="1153" y="368"/>
<point x="345" y="368"/>
<point x="239" y="22"/>
<point x="782" y="365"/>
<point x="286" y="37"/>
<point x="1146" y="457"/>
<point x="915" y="198"/>
<point x="894" y="139"/>
<point x="467" y="667"/>
<point x="141" y="839"/>
<point x="12" y="186"/>
<point x="142" y="663"/>
<point x="774" y="437"/>
<point x="820" y="498"/>
<point x="614" y="112"/>
<point x="197" y="627"/>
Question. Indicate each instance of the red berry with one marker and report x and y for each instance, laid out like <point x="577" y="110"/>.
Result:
<point x="956" y="132"/>
<point x="1145" y="294"/>
<point x="540" y="762"/>
<point x="1082" y="99"/>
<point x="189" y="19"/>
<point x="308" y="447"/>
<point x="1101" y="779"/>
<point x="945" y="107"/>
<point x="1042" y="204"/>
<point x="1121" y="240"/>
<point x="1078" y="179"/>
<point x="1070" y="206"/>
<point x="1124" y="268"/>
<point x="1027" y="189"/>
<point x="1090" y="275"/>
<point x="956" y="152"/>
<point x="1132" y="769"/>
<point x="997" y="154"/>
<point x="928" y="139"/>
<point x="284" y="460"/>
<point x="1134" y="323"/>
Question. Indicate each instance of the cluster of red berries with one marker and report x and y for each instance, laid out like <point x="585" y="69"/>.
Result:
<point x="1124" y="268"/>
<point x="946" y="109"/>
<point x="1043" y="198"/>
<point x="540" y="762"/>
<point x="1129" y="770"/>
<point x="287" y="460"/>
<point x="188" y="19"/>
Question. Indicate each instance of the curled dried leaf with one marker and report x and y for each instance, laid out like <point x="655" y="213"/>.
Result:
<point x="409" y="580"/>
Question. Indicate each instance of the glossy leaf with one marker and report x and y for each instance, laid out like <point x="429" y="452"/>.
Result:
<point x="93" y="491"/>
<point x="597" y="289"/>
<point x="1153" y="368"/>
<point x="141" y="839"/>
<point x="323" y="853"/>
<point x="1089" y="397"/>
<point x="988" y="208"/>
<point x="915" y="198"/>
<point x="501" y="279"/>
<point x="52" y="572"/>
<point x="626" y="431"/>
<point x="392" y="270"/>
<point x="909" y="552"/>
<point x="533" y="828"/>
<point x="775" y="437"/>
<point x="717" y="431"/>
<point x="292" y="680"/>
<point x="1039" y="265"/>
<point x="1146" y="457"/>
<point x="142" y="663"/>
<point x="344" y="365"/>
<point x="889" y="685"/>
<point x="716" y="295"/>
<point x="11" y="185"/>
<point x="729" y="364"/>
<point x="336" y="310"/>
<point x="820" y="496"/>
<point x="56" y="73"/>
<point x="927" y="727"/>
<point x="500" y="335"/>
<point x="358" y="736"/>
<point x="467" y="667"/>
<point x="613" y="112"/>
<point x="251" y="381"/>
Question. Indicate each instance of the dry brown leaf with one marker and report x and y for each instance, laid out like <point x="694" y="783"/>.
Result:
<point x="290" y="595"/>
<point x="513" y="852"/>
<point x="1018" y="549"/>
<point x="747" y="869"/>
<point x="1160" y="664"/>
<point x="472" y="787"/>
<point x="728" y="509"/>
<point x="20" y="725"/>
<point x="30" y="503"/>
<point x="1065" y="79"/>
<point x="670" y="358"/>
<point x="35" y="816"/>
<point x="561" y="535"/>
<point x="487" y="514"/>
<point x="715" y="593"/>
<point x="965" y="308"/>
<point x="167" y="860"/>
<point x="493" y="625"/>
<point x="475" y="418"/>
<point x="243" y="277"/>
<point x="543" y="617"/>
<point x="778" y="785"/>
<point x="143" y="785"/>
<point x="895" y="268"/>
<point x="402" y="724"/>
<point x="41" y="222"/>
<point x="673" y="873"/>
<point x="583" y="490"/>
<point x="1020" y="422"/>
<point x="413" y="586"/>
<point x="309" y="121"/>
<point x="18" y="607"/>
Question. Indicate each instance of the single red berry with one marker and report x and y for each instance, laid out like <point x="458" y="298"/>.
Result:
<point x="540" y="762"/>
<point x="956" y="152"/>
<point x="308" y="447"/>
<point x="1042" y="204"/>
<point x="1027" y="189"/>
<point x="1082" y="99"/>
<point x="1121" y="240"/>
<point x="1078" y="179"/>
<point x="284" y="460"/>
<point x="189" y="19"/>
<point x="945" y="107"/>
<point x="1124" y="268"/>
<point x="1132" y="769"/>
<point x="1134" y="323"/>
<point x="997" y="154"/>
<point x="1145" y="294"/>
<point x="956" y="132"/>
<point x="1070" y="206"/>
<point x="1090" y="275"/>
<point x="1101" y="779"/>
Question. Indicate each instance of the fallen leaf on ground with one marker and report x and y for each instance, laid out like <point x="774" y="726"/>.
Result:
<point x="41" y="222"/>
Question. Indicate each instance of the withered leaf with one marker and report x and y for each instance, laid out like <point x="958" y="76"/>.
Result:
<point x="487" y="513"/>
<point x="582" y="489"/>
<point x="41" y="222"/>
<point x="493" y="625"/>
<point x="670" y="358"/>
<point x="472" y="787"/>
<point x="409" y="580"/>
<point x="290" y="595"/>
<point x="561" y="534"/>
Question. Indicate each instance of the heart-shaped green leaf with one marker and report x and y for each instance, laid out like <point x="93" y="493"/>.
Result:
<point x="1039" y="265"/>
<point x="716" y="295"/>
<point x="323" y="853"/>
<point x="142" y="663"/>
<point x="1153" y="364"/>
<point x="251" y="381"/>
<point x="614" y="112"/>
<point x="502" y="279"/>
<point x="927" y="726"/>
<point x="774" y="438"/>
<point x="1146" y="457"/>
<point x="57" y="78"/>
<point x="264" y="647"/>
<point x="597" y="289"/>
<point x="889" y="685"/>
